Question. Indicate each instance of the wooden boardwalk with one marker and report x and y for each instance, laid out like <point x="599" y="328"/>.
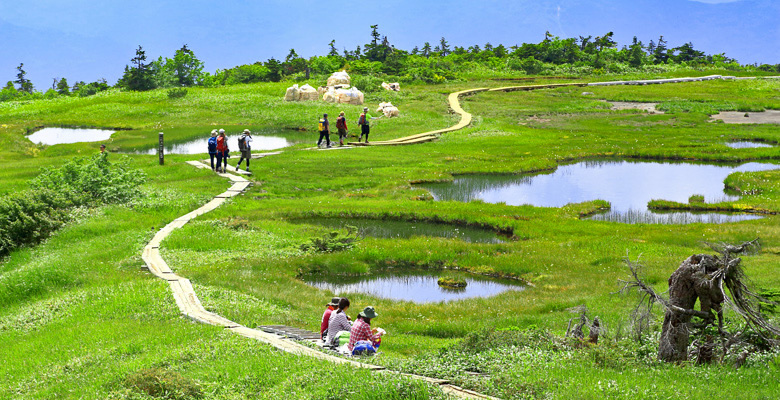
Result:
<point x="281" y="337"/>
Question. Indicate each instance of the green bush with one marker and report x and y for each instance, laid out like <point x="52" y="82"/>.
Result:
<point x="367" y="83"/>
<point x="30" y="216"/>
<point x="92" y="180"/>
<point x="177" y="93"/>
<point x="163" y="384"/>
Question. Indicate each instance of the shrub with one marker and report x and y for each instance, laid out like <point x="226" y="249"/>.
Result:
<point x="31" y="216"/>
<point x="163" y="384"/>
<point x="333" y="241"/>
<point x="367" y="83"/>
<point x="177" y="93"/>
<point x="87" y="180"/>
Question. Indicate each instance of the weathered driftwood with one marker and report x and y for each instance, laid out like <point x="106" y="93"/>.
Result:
<point x="705" y="278"/>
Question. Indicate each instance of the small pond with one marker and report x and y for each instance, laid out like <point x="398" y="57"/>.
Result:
<point x="415" y="287"/>
<point x="748" y="145"/>
<point x="405" y="229"/>
<point x="627" y="185"/>
<point x="200" y="145"/>
<point x="51" y="136"/>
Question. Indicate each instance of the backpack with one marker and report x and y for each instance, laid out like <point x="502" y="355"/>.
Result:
<point x="362" y="120"/>
<point x="322" y="125"/>
<point x="242" y="142"/>
<point x="363" y="347"/>
<point x="213" y="144"/>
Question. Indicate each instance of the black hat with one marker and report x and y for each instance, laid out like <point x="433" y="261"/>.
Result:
<point x="334" y="302"/>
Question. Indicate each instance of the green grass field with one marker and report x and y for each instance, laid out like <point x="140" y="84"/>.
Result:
<point x="80" y="315"/>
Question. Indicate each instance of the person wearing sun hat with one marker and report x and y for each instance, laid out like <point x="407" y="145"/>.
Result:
<point x="334" y="303"/>
<point x="212" y="147"/>
<point x="246" y="149"/>
<point x="362" y="335"/>
<point x="363" y="122"/>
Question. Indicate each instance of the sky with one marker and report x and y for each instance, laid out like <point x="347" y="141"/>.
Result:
<point x="85" y="40"/>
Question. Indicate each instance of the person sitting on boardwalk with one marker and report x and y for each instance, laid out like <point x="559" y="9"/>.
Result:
<point x="339" y="321"/>
<point x="212" y="144"/>
<point x="334" y="303"/>
<point x="222" y="151"/>
<point x="363" y="122"/>
<point x="245" y="147"/>
<point x="324" y="130"/>
<point x="341" y="125"/>
<point x="362" y="336"/>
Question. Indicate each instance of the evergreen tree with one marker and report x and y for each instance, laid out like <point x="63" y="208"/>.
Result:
<point x="661" y="53"/>
<point x="139" y="76"/>
<point x="444" y="47"/>
<point x="416" y="50"/>
<point x="187" y="68"/>
<point x="274" y="70"/>
<point x="24" y="84"/>
<point x="500" y="51"/>
<point x="62" y="87"/>
<point x="426" y="50"/>
<point x="333" y="51"/>
<point x="635" y="54"/>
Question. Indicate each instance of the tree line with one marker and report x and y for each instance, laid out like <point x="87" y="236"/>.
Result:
<point x="430" y="63"/>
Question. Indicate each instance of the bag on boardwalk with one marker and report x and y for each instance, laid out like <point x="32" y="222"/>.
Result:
<point x="363" y="347"/>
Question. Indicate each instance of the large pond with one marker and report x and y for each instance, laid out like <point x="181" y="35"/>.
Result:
<point x="415" y="287"/>
<point x="627" y="185"/>
<point x="404" y="229"/>
<point x="200" y="145"/>
<point x="51" y="136"/>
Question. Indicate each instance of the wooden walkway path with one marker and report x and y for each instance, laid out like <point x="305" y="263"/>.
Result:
<point x="465" y="118"/>
<point x="190" y="306"/>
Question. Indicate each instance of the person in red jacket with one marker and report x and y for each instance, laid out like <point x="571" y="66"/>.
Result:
<point x="222" y="151"/>
<point x="334" y="303"/>
<point x="341" y="126"/>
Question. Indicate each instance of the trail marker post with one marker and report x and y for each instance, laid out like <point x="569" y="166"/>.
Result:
<point x="161" y="150"/>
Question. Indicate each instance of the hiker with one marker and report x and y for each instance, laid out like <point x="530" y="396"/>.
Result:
<point x="341" y="126"/>
<point x="246" y="149"/>
<point x="324" y="130"/>
<point x="102" y="148"/>
<point x="362" y="337"/>
<point x="363" y="122"/>
<point x="339" y="321"/>
<point x="334" y="303"/>
<point x="222" y="151"/>
<point x="212" y="144"/>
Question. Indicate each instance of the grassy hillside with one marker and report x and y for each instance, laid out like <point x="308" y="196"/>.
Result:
<point x="80" y="317"/>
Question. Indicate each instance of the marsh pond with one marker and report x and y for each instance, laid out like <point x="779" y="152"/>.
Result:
<point x="627" y="185"/>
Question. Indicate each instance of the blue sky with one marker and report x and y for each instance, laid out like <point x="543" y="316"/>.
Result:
<point x="87" y="40"/>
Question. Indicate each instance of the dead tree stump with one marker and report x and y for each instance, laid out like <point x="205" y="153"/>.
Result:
<point x="696" y="278"/>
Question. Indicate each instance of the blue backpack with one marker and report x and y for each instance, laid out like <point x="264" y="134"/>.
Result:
<point x="212" y="145"/>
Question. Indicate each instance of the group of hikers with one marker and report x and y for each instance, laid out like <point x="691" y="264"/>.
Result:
<point x="337" y="329"/>
<point x="218" y="148"/>
<point x="341" y="127"/>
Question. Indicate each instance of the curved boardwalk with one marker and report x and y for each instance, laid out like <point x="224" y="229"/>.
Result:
<point x="465" y="118"/>
<point x="190" y="306"/>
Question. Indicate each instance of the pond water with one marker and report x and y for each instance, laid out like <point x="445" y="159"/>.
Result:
<point x="405" y="229"/>
<point x="415" y="287"/>
<point x="627" y="185"/>
<point x="200" y="145"/>
<point x="748" y="145"/>
<point x="50" y="136"/>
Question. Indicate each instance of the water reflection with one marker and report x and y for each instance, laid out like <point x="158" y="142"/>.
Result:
<point x="414" y="287"/>
<point x="51" y="136"/>
<point x="627" y="185"/>
<point x="200" y="145"/>
<point x="404" y="229"/>
<point x="747" y="145"/>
